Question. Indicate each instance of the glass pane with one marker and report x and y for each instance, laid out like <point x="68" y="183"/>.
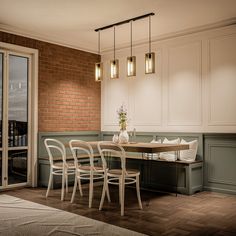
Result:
<point x="17" y="103"/>
<point x="0" y="168"/>
<point x="17" y="166"/>
<point x="1" y="77"/>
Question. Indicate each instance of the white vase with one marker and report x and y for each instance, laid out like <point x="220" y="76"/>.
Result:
<point x="123" y="136"/>
<point x="115" y="138"/>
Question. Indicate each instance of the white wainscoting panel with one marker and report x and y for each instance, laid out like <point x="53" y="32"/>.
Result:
<point x="147" y="94"/>
<point x="193" y="89"/>
<point x="116" y="93"/>
<point x="222" y="80"/>
<point x="184" y="84"/>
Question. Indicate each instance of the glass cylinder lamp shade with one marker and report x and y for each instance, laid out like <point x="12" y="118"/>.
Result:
<point x="98" y="72"/>
<point x="131" y="66"/>
<point x="150" y="63"/>
<point x="114" y="69"/>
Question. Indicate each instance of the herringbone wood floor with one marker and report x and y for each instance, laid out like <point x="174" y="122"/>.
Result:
<point x="204" y="213"/>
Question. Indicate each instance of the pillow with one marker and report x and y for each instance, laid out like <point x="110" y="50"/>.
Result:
<point x="153" y="156"/>
<point x="169" y="156"/>
<point x="191" y="153"/>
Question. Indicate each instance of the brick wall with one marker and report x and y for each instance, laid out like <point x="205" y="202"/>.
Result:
<point x="69" y="98"/>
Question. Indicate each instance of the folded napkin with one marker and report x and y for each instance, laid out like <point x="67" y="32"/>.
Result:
<point x="167" y="157"/>
<point x="153" y="156"/>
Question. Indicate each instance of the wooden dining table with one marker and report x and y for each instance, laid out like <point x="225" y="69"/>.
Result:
<point x="148" y="147"/>
<point x="141" y="147"/>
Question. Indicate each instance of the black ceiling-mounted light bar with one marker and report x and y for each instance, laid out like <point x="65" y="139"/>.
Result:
<point x="125" y="21"/>
<point x="131" y="61"/>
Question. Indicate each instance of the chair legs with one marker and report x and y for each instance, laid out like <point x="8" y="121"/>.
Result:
<point x="90" y="189"/>
<point x="120" y="200"/>
<point x="107" y="191"/>
<point x="80" y="186"/>
<point x="77" y="181"/>
<point x="122" y="195"/>
<point x="64" y="182"/>
<point x="49" y="183"/>
<point x="74" y="190"/>
<point x="63" y="186"/>
<point x="66" y="178"/>
<point x="104" y="190"/>
<point x="138" y="193"/>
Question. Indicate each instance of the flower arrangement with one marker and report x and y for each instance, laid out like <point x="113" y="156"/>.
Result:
<point x="122" y="116"/>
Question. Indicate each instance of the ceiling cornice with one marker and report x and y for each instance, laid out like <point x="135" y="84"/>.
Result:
<point x="87" y="48"/>
<point x="219" y="24"/>
<point x="16" y="31"/>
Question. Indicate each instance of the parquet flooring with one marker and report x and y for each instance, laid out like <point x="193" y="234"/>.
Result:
<point x="204" y="213"/>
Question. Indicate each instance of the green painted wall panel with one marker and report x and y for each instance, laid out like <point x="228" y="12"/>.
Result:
<point x="220" y="162"/>
<point x="64" y="137"/>
<point x="224" y="168"/>
<point x="218" y="152"/>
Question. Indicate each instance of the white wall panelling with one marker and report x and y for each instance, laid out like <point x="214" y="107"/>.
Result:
<point x="147" y="94"/>
<point x="116" y="93"/>
<point x="193" y="89"/>
<point x="184" y="84"/>
<point x="222" y="80"/>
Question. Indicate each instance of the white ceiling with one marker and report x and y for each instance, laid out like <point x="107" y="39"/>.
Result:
<point x="72" y="22"/>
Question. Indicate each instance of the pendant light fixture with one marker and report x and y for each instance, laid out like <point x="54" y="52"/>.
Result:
<point x="131" y="61"/>
<point x="150" y="57"/>
<point x="99" y="65"/>
<point x="114" y="62"/>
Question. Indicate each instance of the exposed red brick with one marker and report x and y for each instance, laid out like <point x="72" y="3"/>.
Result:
<point x="69" y="98"/>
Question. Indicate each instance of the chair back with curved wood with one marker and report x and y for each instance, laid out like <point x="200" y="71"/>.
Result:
<point x="52" y="146"/>
<point x="107" y="148"/>
<point x="58" y="164"/>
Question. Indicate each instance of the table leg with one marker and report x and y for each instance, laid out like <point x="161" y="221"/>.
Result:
<point x="176" y="173"/>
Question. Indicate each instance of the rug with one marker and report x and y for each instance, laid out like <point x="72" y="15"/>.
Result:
<point x="19" y="217"/>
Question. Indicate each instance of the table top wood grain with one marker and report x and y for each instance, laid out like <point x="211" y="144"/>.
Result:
<point x="149" y="147"/>
<point x="137" y="147"/>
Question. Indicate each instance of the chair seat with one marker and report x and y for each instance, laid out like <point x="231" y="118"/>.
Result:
<point x="118" y="172"/>
<point x="59" y="165"/>
<point x="85" y="168"/>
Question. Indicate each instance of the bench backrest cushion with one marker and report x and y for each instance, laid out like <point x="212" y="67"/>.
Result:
<point x="191" y="153"/>
<point x="169" y="156"/>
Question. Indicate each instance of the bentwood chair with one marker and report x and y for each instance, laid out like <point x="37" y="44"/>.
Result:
<point x="81" y="149"/>
<point x="58" y="164"/>
<point x="120" y="176"/>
